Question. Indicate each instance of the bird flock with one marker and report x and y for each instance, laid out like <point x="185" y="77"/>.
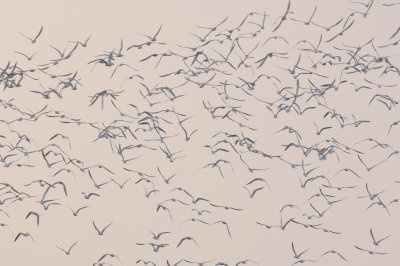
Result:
<point x="246" y="144"/>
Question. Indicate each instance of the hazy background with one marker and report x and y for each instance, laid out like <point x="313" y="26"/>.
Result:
<point x="133" y="217"/>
